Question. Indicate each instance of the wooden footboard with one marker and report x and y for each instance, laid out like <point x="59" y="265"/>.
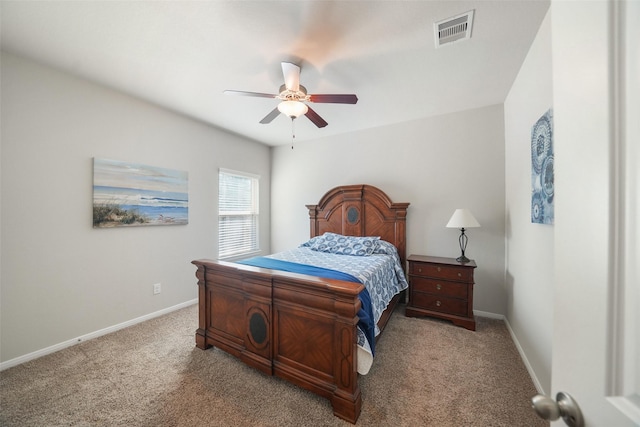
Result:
<point x="300" y="328"/>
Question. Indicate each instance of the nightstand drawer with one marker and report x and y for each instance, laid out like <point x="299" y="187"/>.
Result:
<point x="439" y="287"/>
<point x="441" y="271"/>
<point x="438" y="303"/>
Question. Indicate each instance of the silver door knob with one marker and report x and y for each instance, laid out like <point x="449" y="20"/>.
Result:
<point x="564" y="406"/>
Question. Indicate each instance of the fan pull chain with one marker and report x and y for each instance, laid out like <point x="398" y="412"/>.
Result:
<point x="293" y="131"/>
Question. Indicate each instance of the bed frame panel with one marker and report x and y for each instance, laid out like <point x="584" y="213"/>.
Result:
<point x="298" y="327"/>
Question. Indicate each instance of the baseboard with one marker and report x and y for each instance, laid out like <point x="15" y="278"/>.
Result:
<point x="532" y="373"/>
<point x="57" y="347"/>
<point x="523" y="356"/>
<point x="489" y="315"/>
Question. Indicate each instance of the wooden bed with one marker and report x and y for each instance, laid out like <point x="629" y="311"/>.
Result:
<point x="301" y="328"/>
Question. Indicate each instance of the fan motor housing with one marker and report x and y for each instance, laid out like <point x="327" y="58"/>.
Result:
<point x="292" y="95"/>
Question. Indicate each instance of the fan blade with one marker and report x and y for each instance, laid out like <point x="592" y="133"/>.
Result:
<point x="335" y="99"/>
<point x="315" y="118"/>
<point x="291" y="74"/>
<point x="243" y="93"/>
<point x="269" y="117"/>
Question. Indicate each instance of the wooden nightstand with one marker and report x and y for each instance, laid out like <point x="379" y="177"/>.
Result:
<point x="441" y="287"/>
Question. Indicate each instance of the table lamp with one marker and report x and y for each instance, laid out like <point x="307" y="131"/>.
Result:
<point x="462" y="219"/>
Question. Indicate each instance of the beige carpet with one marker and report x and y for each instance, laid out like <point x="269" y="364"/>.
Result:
<point x="426" y="373"/>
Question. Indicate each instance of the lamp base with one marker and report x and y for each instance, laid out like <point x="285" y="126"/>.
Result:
<point x="462" y="259"/>
<point x="463" y="246"/>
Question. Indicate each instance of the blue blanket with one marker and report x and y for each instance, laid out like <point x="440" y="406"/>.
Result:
<point x="365" y="314"/>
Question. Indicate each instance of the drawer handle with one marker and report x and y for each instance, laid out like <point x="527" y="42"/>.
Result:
<point x="438" y="286"/>
<point x="438" y="268"/>
<point x="459" y="274"/>
<point x="438" y="303"/>
<point x="419" y="270"/>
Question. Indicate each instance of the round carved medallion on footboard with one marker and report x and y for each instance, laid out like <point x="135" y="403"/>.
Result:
<point x="258" y="328"/>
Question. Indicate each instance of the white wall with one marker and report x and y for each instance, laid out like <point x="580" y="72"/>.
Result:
<point x="530" y="247"/>
<point x="437" y="164"/>
<point x="61" y="278"/>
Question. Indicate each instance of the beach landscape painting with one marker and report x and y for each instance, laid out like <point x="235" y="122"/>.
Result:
<point x="130" y="194"/>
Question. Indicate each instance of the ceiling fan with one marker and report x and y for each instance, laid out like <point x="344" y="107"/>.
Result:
<point x="294" y="96"/>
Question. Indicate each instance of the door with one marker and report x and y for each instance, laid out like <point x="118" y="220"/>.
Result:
<point x="596" y="89"/>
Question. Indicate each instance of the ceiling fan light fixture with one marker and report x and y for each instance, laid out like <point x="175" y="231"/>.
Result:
<point x="293" y="97"/>
<point x="293" y="109"/>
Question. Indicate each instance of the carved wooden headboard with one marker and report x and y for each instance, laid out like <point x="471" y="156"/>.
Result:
<point x="361" y="210"/>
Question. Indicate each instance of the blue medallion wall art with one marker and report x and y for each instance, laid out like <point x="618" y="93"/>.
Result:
<point x="542" y="175"/>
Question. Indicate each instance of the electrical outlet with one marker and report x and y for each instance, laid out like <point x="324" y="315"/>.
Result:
<point x="157" y="288"/>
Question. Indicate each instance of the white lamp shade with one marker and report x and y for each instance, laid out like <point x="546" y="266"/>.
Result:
<point x="293" y="109"/>
<point x="462" y="218"/>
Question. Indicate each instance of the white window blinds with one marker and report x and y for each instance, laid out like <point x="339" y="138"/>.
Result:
<point x="237" y="213"/>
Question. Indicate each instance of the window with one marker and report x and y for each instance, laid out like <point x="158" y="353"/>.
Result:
<point x="237" y="213"/>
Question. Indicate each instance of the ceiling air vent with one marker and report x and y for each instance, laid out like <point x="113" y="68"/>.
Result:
<point x="453" y="29"/>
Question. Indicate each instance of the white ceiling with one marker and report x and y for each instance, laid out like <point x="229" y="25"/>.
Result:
<point x="182" y="55"/>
